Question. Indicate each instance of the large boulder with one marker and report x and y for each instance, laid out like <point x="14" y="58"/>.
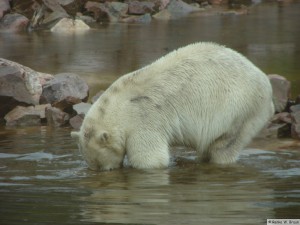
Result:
<point x="64" y="91"/>
<point x="26" y="116"/>
<point x="19" y="85"/>
<point x="14" y="22"/>
<point x="281" y="91"/>
<point x="175" y="9"/>
<point x="76" y="121"/>
<point x="67" y="25"/>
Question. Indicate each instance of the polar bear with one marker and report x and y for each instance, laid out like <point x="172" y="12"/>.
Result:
<point x="204" y="96"/>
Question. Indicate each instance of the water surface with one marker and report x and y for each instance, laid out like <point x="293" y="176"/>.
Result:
<point x="43" y="180"/>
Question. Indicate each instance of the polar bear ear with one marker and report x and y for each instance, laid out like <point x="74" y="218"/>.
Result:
<point x="103" y="137"/>
<point x="75" y="135"/>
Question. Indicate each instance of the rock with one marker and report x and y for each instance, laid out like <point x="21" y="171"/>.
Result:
<point x="82" y="108"/>
<point x="281" y="91"/>
<point x="295" y="108"/>
<point x="25" y="7"/>
<point x="140" y="8"/>
<point x="295" y="114"/>
<point x="295" y="117"/>
<point x="14" y="22"/>
<point x="161" y="4"/>
<point x="66" y="25"/>
<point x="114" y="11"/>
<point x="4" y="7"/>
<point x="283" y="117"/>
<point x="96" y="96"/>
<point x="175" y="9"/>
<point x="296" y="131"/>
<point x="76" y="121"/>
<point x="19" y="85"/>
<point x="86" y="19"/>
<point x="26" y="116"/>
<point x="65" y="90"/>
<point x="138" y="19"/>
<point x="275" y="131"/>
<point x="56" y="117"/>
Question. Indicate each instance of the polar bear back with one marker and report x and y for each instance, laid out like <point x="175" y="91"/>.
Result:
<point x="193" y="95"/>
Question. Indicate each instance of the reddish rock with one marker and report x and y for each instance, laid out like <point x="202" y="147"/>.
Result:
<point x="25" y="116"/>
<point x="56" y="117"/>
<point x="4" y="7"/>
<point x="19" y="85"/>
<point x="295" y="114"/>
<point x="140" y="8"/>
<point x="281" y="91"/>
<point x="76" y="121"/>
<point x="65" y="90"/>
<point x="14" y="22"/>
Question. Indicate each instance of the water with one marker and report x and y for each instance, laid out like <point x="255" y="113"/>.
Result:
<point x="269" y="36"/>
<point x="43" y="180"/>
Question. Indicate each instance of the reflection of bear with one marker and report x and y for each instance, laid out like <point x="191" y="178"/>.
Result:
<point x="204" y="96"/>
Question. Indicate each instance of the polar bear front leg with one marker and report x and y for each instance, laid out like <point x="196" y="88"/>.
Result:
<point x="147" y="150"/>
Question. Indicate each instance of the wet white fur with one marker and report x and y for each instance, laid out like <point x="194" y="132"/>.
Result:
<point x="203" y="95"/>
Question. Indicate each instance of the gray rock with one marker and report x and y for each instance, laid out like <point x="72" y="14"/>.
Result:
<point x="138" y="19"/>
<point x="56" y="117"/>
<point x="114" y="11"/>
<point x="175" y="9"/>
<point x="19" y="85"/>
<point x="295" y="117"/>
<point x="96" y="96"/>
<point x="76" y="121"/>
<point x="67" y="25"/>
<point x="295" y="108"/>
<point x="26" y="116"/>
<point x="140" y="7"/>
<point x="14" y="22"/>
<point x="65" y="90"/>
<point x="296" y="131"/>
<point x="281" y="91"/>
<point x="82" y="108"/>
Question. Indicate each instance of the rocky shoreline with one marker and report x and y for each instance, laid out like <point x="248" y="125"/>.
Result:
<point x="81" y="15"/>
<point x="31" y="98"/>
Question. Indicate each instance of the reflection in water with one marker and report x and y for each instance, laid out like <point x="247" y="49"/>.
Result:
<point x="43" y="180"/>
<point x="269" y="35"/>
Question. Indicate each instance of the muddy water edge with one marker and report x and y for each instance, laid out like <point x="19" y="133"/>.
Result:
<point x="43" y="179"/>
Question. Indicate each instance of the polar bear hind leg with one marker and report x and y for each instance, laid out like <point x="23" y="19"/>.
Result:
<point x="147" y="149"/>
<point x="226" y="148"/>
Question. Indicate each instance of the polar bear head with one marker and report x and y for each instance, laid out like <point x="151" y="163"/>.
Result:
<point x="102" y="150"/>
